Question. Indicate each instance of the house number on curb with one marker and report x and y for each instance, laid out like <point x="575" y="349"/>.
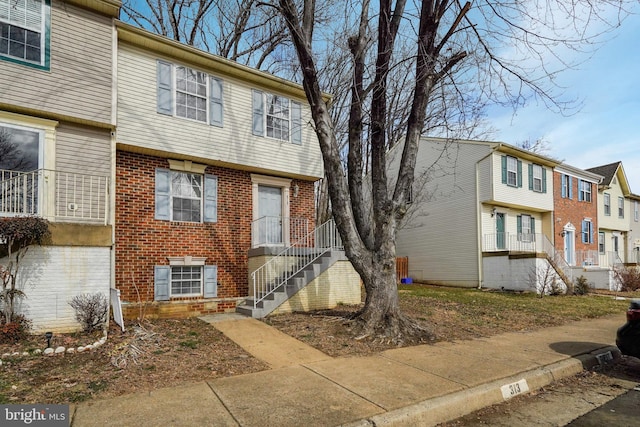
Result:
<point x="514" y="389"/>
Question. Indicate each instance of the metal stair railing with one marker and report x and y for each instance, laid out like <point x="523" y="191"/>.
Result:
<point x="290" y="261"/>
<point x="557" y="260"/>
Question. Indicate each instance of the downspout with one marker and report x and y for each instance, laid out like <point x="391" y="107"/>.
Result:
<point x="479" y="215"/>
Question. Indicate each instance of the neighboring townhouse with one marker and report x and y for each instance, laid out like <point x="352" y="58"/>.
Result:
<point x="576" y="214"/>
<point x="482" y="215"/>
<point x="57" y="118"/>
<point x="633" y="240"/>
<point x="614" y="215"/>
<point x="215" y="171"/>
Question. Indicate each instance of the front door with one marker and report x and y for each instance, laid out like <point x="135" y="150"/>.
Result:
<point x="270" y="215"/>
<point x="500" y="235"/>
<point x="569" y="247"/>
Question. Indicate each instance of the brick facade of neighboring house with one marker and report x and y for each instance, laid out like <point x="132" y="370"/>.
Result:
<point x="143" y="242"/>
<point x="573" y="214"/>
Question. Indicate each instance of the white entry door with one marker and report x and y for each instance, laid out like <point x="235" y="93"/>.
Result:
<point x="270" y="215"/>
<point x="569" y="247"/>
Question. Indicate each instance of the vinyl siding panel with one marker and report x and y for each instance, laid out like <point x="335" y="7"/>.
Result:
<point x="613" y="222"/>
<point x="140" y="125"/>
<point x="521" y="196"/>
<point x="54" y="275"/>
<point x="83" y="150"/>
<point x="79" y="82"/>
<point x="441" y="239"/>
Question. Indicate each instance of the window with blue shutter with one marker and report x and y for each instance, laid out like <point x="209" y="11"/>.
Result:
<point x="210" y="281"/>
<point x="180" y="196"/>
<point x="257" y="126"/>
<point x="571" y="187"/>
<point x="161" y="281"/>
<point x="164" y="88"/>
<point x="215" y="102"/>
<point x="296" y="123"/>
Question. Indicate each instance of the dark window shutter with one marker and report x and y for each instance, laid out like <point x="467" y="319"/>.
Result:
<point x="504" y="169"/>
<point x="210" y="281"/>
<point x="530" y="176"/>
<point x="564" y="185"/>
<point x="571" y="187"/>
<point x="163" y="194"/>
<point x="519" y="224"/>
<point x="533" y="226"/>
<point x="161" y="274"/>
<point x="210" y="198"/>
<point x="258" y="113"/>
<point x="164" y="88"/>
<point x="544" y="180"/>
<point x="215" y="102"/>
<point x="519" y="173"/>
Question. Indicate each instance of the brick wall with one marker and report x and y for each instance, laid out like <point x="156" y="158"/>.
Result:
<point x="574" y="211"/>
<point x="143" y="242"/>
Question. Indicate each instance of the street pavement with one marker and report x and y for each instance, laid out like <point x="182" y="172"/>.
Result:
<point x="412" y="386"/>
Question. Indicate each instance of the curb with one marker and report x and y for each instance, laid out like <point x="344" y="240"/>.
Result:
<point x="455" y="405"/>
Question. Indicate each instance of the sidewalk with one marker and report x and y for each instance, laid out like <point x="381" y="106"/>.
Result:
<point x="422" y="385"/>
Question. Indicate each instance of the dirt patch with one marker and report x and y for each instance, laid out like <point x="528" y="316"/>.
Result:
<point x="158" y="353"/>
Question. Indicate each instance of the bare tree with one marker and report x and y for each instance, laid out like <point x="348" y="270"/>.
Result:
<point x="498" y="51"/>
<point x="11" y="156"/>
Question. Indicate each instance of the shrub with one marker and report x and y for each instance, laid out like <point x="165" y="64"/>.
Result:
<point x="628" y="277"/>
<point x="15" y="331"/>
<point x="581" y="286"/>
<point x="91" y="310"/>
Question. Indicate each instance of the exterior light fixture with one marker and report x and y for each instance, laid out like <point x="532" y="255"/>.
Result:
<point x="296" y="189"/>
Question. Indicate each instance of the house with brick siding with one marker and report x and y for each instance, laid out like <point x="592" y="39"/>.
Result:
<point x="215" y="169"/>
<point x="57" y="126"/>
<point x="482" y="216"/>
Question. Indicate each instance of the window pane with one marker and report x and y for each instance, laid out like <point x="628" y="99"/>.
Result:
<point x="17" y="34"/>
<point x="4" y="46"/>
<point x="16" y="49"/>
<point x="33" y="54"/>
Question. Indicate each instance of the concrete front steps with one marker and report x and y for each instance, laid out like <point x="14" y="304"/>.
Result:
<point x="290" y="287"/>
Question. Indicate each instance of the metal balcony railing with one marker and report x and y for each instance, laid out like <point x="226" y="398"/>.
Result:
<point x="278" y="230"/>
<point x="55" y="195"/>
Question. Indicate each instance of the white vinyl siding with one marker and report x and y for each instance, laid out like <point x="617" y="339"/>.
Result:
<point x="430" y="243"/>
<point x="79" y="82"/>
<point x="52" y="283"/>
<point x="83" y="150"/>
<point x="612" y="221"/>
<point x="506" y="194"/>
<point x="140" y="125"/>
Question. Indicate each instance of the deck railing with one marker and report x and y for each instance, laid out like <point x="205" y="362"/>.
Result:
<point x="282" y="267"/>
<point x="278" y="230"/>
<point x="55" y="195"/>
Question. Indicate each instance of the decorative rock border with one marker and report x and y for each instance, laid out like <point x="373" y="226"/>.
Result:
<point x="58" y="350"/>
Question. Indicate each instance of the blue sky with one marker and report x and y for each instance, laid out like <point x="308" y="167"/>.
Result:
<point x="607" y="127"/>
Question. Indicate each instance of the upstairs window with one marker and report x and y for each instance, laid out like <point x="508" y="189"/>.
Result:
<point x="188" y="93"/>
<point x="584" y="188"/>
<point x="607" y="204"/>
<point x="620" y="207"/>
<point x="511" y="171"/>
<point x="24" y="32"/>
<point x="537" y="178"/>
<point x="276" y="117"/>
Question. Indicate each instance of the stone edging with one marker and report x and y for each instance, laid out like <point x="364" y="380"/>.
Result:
<point x="58" y="350"/>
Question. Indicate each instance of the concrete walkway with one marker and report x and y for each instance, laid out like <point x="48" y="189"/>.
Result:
<point x="422" y="385"/>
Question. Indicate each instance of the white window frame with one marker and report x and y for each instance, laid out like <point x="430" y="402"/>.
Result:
<point x="276" y="102"/>
<point x="586" y="234"/>
<point x="607" y="204"/>
<point x="525" y="228"/>
<point x="512" y="171"/>
<point x="189" y="92"/>
<point x="585" y="191"/>
<point x="31" y="20"/>
<point x="175" y="195"/>
<point x="193" y="268"/>
<point x="565" y="186"/>
<point x="620" y="207"/>
<point x="601" y="243"/>
<point x="537" y="178"/>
